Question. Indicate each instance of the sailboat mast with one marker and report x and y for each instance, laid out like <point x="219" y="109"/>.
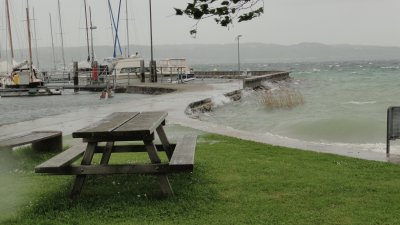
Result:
<point x="152" y="72"/>
<point x="34" y="30"/>
<point x="30" y="43"/>
<point x="87" y="33"/>
<point x="9" y="29"/>
<point x="61" y="33"/>
<point x="52" y="43"/>
<point x="111" y="22"/>
<point x="91" y="32"/>
<point x="127" y="26"/>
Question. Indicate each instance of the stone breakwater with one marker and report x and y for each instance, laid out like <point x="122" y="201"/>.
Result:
<point x="207" y="105"/>
<point x="254" y="82"/>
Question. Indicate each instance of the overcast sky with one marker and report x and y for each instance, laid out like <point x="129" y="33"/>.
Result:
<point x="365" y="22"/>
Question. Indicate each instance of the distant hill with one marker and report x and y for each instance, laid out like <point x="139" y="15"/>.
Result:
<point x="227" y="53"/>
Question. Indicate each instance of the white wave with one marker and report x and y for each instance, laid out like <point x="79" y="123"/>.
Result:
<point x="332" y="147"/>
<point x="220" y="100"/>
<point x="390" y="67"/>
<point x="208" y="114"/>
<point x="304" y="72"/>
<point x="248" y="93"/>
<point x="360" y="103"/>
<point x="270" y="86"/>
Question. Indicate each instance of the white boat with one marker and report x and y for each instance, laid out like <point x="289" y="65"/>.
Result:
<point x="177" y="70"/>
<point x="25" y="92"/>
<point x="174" y="66"/>
<point x="128" y="70"/>
<point x="55" y="91"/>
<point x="22" y="82"/>
<point x="21" y="76"/>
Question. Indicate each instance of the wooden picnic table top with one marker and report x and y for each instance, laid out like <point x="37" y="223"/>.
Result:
<point x="123" y="126"/>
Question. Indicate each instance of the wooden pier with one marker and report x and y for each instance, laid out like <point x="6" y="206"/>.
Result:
<point x="97" y="87"/>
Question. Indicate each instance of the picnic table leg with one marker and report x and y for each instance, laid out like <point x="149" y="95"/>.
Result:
<point x="164" y="140"/>
<point x="162" y="179"/>
<point x="80" y="179"/>
<point x="107" y="153"/>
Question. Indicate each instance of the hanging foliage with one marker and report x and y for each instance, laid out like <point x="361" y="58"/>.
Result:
<point x="224" y="12"/>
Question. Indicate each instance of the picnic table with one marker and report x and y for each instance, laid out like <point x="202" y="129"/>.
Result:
<point x="118" y="127"/>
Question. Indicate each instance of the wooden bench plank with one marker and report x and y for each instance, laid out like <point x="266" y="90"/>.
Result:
<point x="33" y="137"/>
<point x="147" y="121"/>
<point x="159" y="169"/>
<point x="183" y="156"/>
<point x="140" y="127"/>
<point x="63" y="159"/>
<point x="109" y="123"/>
<point x="130" y="148"/>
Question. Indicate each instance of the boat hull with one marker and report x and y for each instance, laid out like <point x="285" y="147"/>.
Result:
<point x="28" y="92"/>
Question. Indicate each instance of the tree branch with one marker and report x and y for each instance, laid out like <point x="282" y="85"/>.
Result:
<point x="224" y="12"/>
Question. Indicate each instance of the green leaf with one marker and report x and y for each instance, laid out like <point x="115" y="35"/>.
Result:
<point x="178" y="12"/>
<point x="193" y="32"/>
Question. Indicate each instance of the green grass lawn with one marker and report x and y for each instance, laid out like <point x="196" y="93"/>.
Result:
<point x="234" y="182"/>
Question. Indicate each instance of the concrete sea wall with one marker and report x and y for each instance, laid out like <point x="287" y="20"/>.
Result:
<point x="148" y="90"/>
<point x="232" y="74"/>
<point x="252" y="82"/>
<point x="256" y="81"/>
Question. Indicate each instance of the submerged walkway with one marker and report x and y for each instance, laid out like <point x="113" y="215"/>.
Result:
<point x="175" y="103"/>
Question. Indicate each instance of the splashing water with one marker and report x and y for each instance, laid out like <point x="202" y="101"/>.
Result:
<point x="344" y="103"/>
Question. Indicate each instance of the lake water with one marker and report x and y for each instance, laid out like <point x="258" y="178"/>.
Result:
<point x="344" y="102"/>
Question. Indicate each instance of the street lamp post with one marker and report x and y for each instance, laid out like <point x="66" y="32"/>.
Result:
<point x="238" y="49"/>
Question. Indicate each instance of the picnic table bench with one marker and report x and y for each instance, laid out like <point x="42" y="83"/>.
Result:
<point x="40" y="140"/>
<point x="117" y="127"/>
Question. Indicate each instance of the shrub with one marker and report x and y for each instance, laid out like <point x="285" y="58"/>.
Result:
<point x="282" y="98"/>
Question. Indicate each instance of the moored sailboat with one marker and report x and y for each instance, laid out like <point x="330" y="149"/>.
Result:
<point x="23" y="79"/>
